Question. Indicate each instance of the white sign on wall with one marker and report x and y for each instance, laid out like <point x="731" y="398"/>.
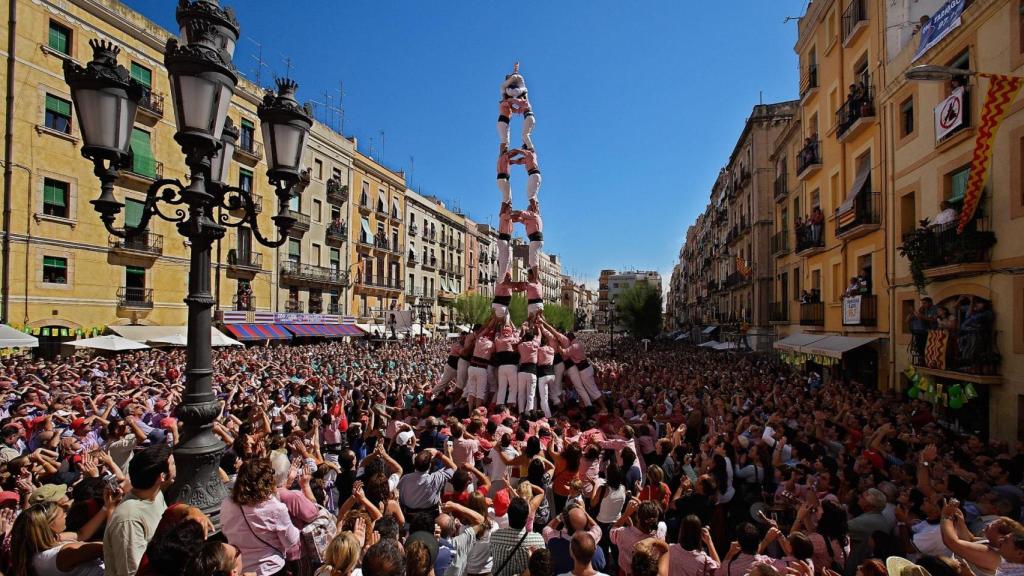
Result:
<point x="950" y="114"/>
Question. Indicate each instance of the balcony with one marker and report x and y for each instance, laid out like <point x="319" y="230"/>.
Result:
<point x="296" y="273"/>
<point x="735" y="280"/>
<point x="411" y="258"/>
<point x="808" y="161"/>
<point x="809" y="81"/>
<point x="430" y="263"/>
<point x="778" y="312"/>
<point x="854" y="20"/>
<point x="862" y="219"/>
<point x="249" y="153"/>
<point x="337" y="193"/>
<point x="364" y="207"/>
<point x="382" y="243"/>
<point x="443" y="242"/>
<point x="244" y="304"/>
<point x="301" y="225"/>
<point x="244" y="264"/>
<point x="380" y="282"/>
<point x="781" y="187"/>
<point x="856" y="113"/>
<point x="868" y="311"/>
<point x="293" y="306"/>
<point x="132" y="298"/>
<point x="141" y="170"/>
<point x="940" y="253"/>
<point x="812" y="314"/>
<point x="152" y="105"/>
<point x="257" y="205"/>
<point x="141" y="244"/>
<point x="971" y="356"/>
<point x="429" y="236"/>
<point x="413" y="230"/>
<point x="315" y="305"/>
<point x="806" y="244"/>
<point x="336" y="234"/>
<point x="780" y="243"/>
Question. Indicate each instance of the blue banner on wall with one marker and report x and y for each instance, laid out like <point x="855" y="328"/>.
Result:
<point x="941" y="23"/>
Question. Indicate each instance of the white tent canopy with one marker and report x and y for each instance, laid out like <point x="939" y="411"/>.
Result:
<point x="11" y="338"/>
<point x="109" y="343"/>
<point x="414" y="330"/>
<point x="170" y="335"/>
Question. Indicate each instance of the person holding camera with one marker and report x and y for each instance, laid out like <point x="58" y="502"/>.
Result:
<point x="561" y="531"/>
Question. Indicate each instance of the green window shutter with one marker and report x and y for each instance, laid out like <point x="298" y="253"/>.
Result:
<point x="135" y="271"/>
<point x="248" y="124"/>
<point x="958" y="185"/>
<point x="54" y="262"/>
<point x="59" y="38"/>
<point x="133" y="213"/>
<point x="58" y="105"/>
<point x="54" y="193"/>
<point x="142" y="75"/>
<point x="142" y="154"/>
<point x="294" y="247"/>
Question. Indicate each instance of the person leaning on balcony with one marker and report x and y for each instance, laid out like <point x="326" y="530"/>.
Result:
<point x="944" y="320"/>
<point x="919" y="322"/>
<point x="947" y="216"/>
<point x="817" y="224"/>
<point x="973" y="338"/>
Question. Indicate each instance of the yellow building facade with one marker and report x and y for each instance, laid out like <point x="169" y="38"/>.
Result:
<point x="379" y="238"/>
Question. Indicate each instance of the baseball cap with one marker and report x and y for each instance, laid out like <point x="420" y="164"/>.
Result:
<point x="8" y="497"/>
<point x="501" y="501"/>
<point x="78" y="423"/>
<point x="404" y="437"/>
<point x="48" y="493"/>
<point x="160" y="404"/>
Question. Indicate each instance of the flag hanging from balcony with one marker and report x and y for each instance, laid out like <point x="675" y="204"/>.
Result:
<point x="742" y="267"/>
<point x="1001" y="92"/>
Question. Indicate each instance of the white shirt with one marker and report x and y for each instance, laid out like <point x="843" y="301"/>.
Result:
<point x="947" y="216"/>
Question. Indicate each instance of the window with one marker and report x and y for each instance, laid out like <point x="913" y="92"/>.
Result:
<point x="60" y="38"/>
<point x="133" y="210"/>
<point x="958" y="185"/>
<point x="908" y="214"/>
<point x="55" y="270"/>
<point x="247" y="135"/>
<point x="833" y="105"/>
<point x="318" y="207"/>
<point x="864" y="269"/>
<point x="295" y="203"/>
<point x="135" y="282"/>
<point x="412" y="284"/>
<point x="335" y="259"/>
<point x="142" y="159"/>
<point x="318" y="169"/>
<point x="796" y="283"/>
<point x="816" y="280"/>
<point x="315" y="260"/>
<point x="55" y="197"/>
<point x="58" y="114"/>
<point x="245" y="179"/>
<point x="294" y="250"/>
<point x="142" y="75"/>
<point x="394" y="239"/>
<point x="336" y="174"/>
<point x="335" y="215"/>
<point x="907" y="117"/>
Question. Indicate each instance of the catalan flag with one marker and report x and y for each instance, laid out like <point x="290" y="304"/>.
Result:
<point x="742" y="267"/>
<point x="1001" y="92"/>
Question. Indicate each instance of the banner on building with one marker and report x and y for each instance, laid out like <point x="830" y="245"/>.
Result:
<point x="944" y="21"/>
<point x="851" y="310"/>
<point x="1001" y="92"/>
<point x="950" y="114"/>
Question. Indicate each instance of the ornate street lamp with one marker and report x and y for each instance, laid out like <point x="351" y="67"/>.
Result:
<point x="203" y="82"/>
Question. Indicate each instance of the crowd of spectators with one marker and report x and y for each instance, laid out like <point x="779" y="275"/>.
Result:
<point x="698" y="463"/>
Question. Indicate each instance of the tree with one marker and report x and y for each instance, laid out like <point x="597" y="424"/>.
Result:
<point x="473" y="308"/>
<point x="639" y="309"/>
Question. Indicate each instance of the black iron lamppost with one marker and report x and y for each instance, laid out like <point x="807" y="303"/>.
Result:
<point x="611" y="325"/>
<point x="203" y="81"/>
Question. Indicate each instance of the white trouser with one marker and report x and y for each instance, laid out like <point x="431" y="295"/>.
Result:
<point x="543" y="388"/>
<point x="447" y="376"/>
<point x="577" y="385"/>
<point x="535" y="247"/>
<point x="507" y="384"/>
<point x="528" y="123"/>
<point x="532" y="186"/>
<point x="590" y="383"/>
<point x="505" y="187"/>
<point x="477" y="386"/>
<point x="532" y="309"/>
<point x="555" y="389"/>
<point x="500" y="310"/>
<point x="462" y="374"/>
<point x="504" y="260"/>
<point x="503" y="131"/>
<point x="527" y="391"/>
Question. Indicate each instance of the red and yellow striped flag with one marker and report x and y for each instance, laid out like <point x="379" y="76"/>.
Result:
<point x="1001" y="92"/>
<point x="741" y="267"/>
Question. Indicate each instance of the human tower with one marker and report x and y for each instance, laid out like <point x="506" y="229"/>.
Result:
<point x="518" y="367"/>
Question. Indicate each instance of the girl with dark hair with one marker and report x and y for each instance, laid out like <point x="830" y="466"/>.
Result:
<point x="695" y="554"/>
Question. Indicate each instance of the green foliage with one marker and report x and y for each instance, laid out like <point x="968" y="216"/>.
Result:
<point x="923" y="249"/>
<point x="517" y="309"/>
<point x="559" y="316"/>
<point x="639" y="310"/>
<point x="473" y="308"/>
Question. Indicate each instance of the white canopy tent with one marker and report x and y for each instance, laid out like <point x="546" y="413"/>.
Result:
<point x="109" y="343"/>
<point x="170" y="335"/>
<point x="11" y="338"/>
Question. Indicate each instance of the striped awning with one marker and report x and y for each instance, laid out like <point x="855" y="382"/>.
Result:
<point x="250" y="332"/>
<point x="324" y="330"/>
<point x="305" y="330"/>
<point x="339" y="330"/>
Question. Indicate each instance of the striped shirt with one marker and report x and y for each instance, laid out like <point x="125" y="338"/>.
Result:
<point x="505" y="543"/>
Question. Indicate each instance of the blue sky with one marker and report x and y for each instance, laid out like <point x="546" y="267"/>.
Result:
<point x="638" y="103"/>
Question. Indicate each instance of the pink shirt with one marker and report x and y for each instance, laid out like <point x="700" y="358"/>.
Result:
<point x="504" y="288"/>
<point x="260" y="532"/>
<point x="528" y="350"/>
<point x="577" y="352"/>
<point x="534" y="291"/>
<point x="483" y="348"/>
<point x="463" y="451"/>
<point x="545" y="355"/>
<point x="531" y="220"/>
<point x="455" y="349"/>
<point x="741" y="564"/>
<point x="690" y="562"/>
<point x="300" y="509"/>
<point x="506" y="341"/>
<point x="505" y="220"/>
<point x="626" y="538"/>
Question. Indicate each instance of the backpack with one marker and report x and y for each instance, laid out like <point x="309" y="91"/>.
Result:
<point x="317" y="535"/>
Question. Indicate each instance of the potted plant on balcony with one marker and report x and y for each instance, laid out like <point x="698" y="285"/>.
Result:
<point x="916" y="247"/>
